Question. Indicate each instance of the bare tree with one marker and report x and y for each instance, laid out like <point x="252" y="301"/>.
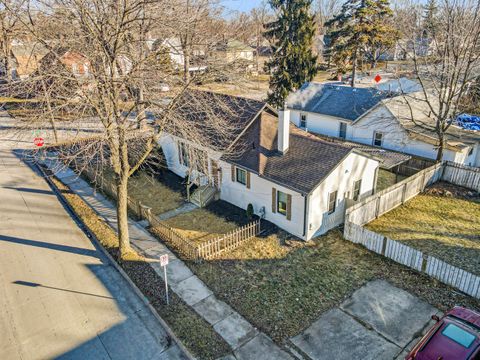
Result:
<point x="446" y="63"/>
<point x="100" y="77"/>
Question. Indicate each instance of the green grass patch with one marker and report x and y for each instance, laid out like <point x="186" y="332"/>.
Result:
<point x="443" y="226"/>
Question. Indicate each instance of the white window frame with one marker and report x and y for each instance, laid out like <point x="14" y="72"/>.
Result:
<point x="357" y="192"/>
<point x="375" y="133"/>
<point x="334" y="202"/>
<point x="240" y="171"/>
<point x="303" y="115"/>
<point x="340" y="130"/>
<point x="281" y="210"/>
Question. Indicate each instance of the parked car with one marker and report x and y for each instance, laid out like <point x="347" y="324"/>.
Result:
<point x="456" y="336"/>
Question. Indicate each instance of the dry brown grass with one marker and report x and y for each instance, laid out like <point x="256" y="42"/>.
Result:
<point x="281" y="289"/>
<point x="200" y="225"/>
<point x="445" y="227"/>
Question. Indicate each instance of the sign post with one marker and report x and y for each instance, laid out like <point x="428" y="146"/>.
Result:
<point x="164" y="263"/>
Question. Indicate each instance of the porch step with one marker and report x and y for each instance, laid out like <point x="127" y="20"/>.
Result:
<point x="203" y="195"/>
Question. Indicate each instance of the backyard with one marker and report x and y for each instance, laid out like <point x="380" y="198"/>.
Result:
<point x="443" y="222"/>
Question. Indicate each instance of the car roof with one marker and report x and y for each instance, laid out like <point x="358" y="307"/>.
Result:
<point x="466" y="315"/>
<point x="441" y="346"/>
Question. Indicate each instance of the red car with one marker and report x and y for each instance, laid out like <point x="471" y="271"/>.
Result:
<point x="456" y="336"/>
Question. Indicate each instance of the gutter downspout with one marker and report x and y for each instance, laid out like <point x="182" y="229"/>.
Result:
<point x="305" y="212"/>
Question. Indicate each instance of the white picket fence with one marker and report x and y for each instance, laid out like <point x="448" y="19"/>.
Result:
<point x="388" y="199"/>
<point x="413" y="258"/>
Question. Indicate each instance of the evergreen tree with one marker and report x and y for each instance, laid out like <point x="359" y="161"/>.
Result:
<point x="359" y="25"/>
<point x="430" y="18"/>
<point x="293" y="62"/>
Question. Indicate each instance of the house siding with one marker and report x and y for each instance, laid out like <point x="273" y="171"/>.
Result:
<point x="394" y="136"/>
<point x="354" y="167"/>
<point x="260" y="195"/>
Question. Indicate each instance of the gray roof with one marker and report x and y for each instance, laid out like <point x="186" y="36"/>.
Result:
<point x="306" y="164"/>
<point x="335" y="100"/>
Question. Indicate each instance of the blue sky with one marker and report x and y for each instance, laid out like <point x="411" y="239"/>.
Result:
<point x="241" y="5"/>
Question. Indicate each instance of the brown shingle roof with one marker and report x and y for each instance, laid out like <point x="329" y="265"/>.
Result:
<point x="307" y="162"/>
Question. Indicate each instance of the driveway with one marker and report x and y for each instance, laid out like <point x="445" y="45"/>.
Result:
<point x="379" y="321"/>
<point x="59" y="296"/>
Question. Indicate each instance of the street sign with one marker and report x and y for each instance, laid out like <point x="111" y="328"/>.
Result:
<point x="38" y="141"/>
<point x="377" y="78"/>
<point x="164" y="260"/>
<point x="164" y="263"/>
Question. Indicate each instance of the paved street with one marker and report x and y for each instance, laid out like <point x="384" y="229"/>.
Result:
<point x="59" y="296"/>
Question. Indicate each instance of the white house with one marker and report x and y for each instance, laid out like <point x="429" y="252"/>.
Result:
<point x="293" y="179"/>
<point x="379" y="118"/>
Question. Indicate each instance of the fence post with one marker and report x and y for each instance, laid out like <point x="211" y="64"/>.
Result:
<point x="424" y="262"/>
<point x="384" y="245"/>
<point x="377" y="207"/>
<point x="404" y="192"/>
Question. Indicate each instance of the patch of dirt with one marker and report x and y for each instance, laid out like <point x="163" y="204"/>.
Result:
<point x="442" y="188"/>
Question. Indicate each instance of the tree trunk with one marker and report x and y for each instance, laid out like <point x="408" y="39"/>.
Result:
<point x="354" y="67"/>
<point x="142" y="116"/>
<point x="122" y="197"/>
<point x="441" y="145"/>
<point x="186" y="65"/>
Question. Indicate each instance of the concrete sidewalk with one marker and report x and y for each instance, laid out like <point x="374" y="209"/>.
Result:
<point x="245" y="341"/>
<point x="59" y="295"/>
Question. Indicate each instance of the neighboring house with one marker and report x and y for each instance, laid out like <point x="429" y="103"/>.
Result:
<point x="293" y="179"/>
<point x="26" y="58"/>
<point x="379" y="118"/>
<point x="175" y="51"/>
<point x="234" y="50"/>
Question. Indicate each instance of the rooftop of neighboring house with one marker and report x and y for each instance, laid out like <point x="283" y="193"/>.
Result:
<point x="335" y="100"/>
<point x="307" y="162"/>
<point x="414" y="106"/>
<point x="234" y="45"/>
<point x="28" y="56"/>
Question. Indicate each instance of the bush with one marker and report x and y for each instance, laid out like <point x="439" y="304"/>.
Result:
<point x="249" y="211"/>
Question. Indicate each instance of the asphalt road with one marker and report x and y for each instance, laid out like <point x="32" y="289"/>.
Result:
<point x="59" y="296"/>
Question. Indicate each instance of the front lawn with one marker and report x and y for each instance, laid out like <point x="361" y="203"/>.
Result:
<point x="282" y="289"/>
<point x="217" y="219"/>
<point x="447" y="227"/>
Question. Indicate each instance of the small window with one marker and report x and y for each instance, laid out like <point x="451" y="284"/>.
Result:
<point x="342" y="133"/>
<point x="183" y="154"/>
<point x="303" y="121"/>
<point x="470" y="152"/>
<point x="459" y="335"/>
<point x="241" y="176"/>
<point x="332" y="202"/>
<point x="377" y="138"/>
<point x="356" y="189"/>
<point x="282" y="203"/>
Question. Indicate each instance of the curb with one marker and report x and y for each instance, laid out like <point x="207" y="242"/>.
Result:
<point x="98" y="245"/>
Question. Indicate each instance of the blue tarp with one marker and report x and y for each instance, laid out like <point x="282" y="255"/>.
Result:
<point x="469" y="122"/>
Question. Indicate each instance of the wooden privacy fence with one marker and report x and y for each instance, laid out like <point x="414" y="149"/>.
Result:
<point x="413" y="258"/>
<point x="378" y="204"/>
<point x="461" y="175"/>
<point x="388" y="199"/>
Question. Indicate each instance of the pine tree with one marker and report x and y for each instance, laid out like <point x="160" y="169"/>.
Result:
<point x="430" y="18"/>
<point x="293" y="62"/>
<point x="360" y="24"/>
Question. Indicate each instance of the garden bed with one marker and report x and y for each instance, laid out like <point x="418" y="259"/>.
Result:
<point x="443" y="222"/>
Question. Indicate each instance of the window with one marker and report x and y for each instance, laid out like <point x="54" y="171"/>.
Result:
<point x="241" y="176"/>
<point x="470" y="152"/>
<point x="356" y="189"/>
<point x="282" y="203"/>
<point x="332" y="202"/>
<point x="303" y="121"/>
<point x="377" y="138"/>
<point x="459" y="335"/>
<point x="183" y="154"/>
<point x="342" y="133"/>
